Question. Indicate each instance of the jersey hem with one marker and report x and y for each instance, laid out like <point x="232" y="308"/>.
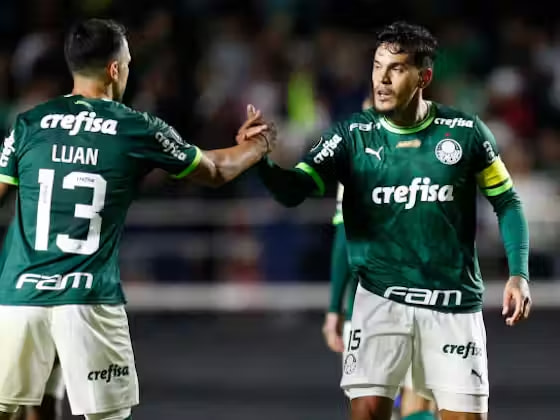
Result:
<point x="64" y="302"/>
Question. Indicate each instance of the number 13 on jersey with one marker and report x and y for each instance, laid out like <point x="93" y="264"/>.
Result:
<point x="82" y="211"/>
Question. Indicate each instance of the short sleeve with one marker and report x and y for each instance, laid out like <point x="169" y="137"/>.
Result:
<point x="326" y="159"/>
<point x="492" y="175"/>
<point x="162" y="146"/>
<point x="8" y="155"/>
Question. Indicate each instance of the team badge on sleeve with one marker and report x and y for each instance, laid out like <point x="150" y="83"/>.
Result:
<point x="448" y="151"/>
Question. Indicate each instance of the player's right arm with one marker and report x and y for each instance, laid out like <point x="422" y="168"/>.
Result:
<point x="9" y="178"/>
<point x="340" y="274"/>
<point x="167" y="150"/>
<point x="323" y="164"/>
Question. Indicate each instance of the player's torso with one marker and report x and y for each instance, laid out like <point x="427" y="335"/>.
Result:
<point x="409" y="201"/>
<point x="76" y="182"/>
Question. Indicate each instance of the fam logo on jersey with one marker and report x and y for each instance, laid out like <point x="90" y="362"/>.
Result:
<point x="113" y="371"/>
<point x="449" y="151"/>
<point x="7" y="149"/>
<point x="350" y="364"/>
<point x="57" y="281"/>
<point x="420" y="189"/>
<point x="84" y="121"/>
<point x="364" y="126"/>
<point x="454" y="122"/>
<point x="329" y="146"/>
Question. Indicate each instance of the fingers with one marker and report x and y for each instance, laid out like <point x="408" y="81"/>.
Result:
<point x="506" y="302"/>
<point x="334" y="341"/>
<point x="252" y="116"/>
<point x="251" y="111"/>
<point x="527" y="308"/>
<point x="518" y="308"/>
<point x="253" y="131"/>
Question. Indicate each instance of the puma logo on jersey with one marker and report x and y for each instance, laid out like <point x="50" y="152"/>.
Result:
<point x="454" y="122"/>
<point x="84" y="121"/>
<point x="420" y="189"/>
<point x="377" y="153"/>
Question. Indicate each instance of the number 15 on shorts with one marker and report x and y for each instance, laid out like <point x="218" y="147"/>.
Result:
<point x="354" y="340"/>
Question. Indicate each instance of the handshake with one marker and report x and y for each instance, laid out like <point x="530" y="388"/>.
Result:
<point x="255" y="129"/>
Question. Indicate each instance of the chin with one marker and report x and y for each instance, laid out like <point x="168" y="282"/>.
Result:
<point x="384" y="108"/>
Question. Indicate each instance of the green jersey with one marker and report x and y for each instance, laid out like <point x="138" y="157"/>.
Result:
<point x="410" y="202"/>
<point x="77" y="163"/>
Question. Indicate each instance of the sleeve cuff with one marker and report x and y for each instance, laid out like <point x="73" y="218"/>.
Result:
<point x="194" y="164"/>
<point x="5" y="179"/>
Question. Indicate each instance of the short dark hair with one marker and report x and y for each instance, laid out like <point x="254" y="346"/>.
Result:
<point x="91" y="44"/>
<point x="410" y="39"/>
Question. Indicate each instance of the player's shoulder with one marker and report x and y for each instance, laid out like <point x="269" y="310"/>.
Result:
<point x="452" y="117"/>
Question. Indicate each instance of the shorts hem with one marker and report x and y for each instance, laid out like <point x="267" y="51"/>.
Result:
<point x="461" y="391"/>
<point x="64" y="303"/>
<point x="98" y="410"/>
<point x="20" y="401"/>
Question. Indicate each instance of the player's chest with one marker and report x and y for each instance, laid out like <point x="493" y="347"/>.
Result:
<point x="409" y="160"/>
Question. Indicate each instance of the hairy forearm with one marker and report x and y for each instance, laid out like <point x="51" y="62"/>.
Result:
<point x="289" y="187"/>
<point x="229" y="163"/>
<point x="339" y="269"/>
<point x="514" y="232"/>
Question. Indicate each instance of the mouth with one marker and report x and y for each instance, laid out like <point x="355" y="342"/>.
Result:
<point x="384" y="94"/>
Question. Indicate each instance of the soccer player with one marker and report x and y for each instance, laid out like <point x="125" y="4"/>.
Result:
<point x="77" y="161"/>
<point x="410" y="169"/>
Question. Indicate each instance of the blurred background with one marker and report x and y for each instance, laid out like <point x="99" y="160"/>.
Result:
<point x="227" y="289"/>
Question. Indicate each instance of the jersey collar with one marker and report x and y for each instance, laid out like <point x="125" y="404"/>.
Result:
<point x="389" y="126"/>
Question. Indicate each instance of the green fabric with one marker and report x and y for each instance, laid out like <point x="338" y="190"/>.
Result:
<point x="514" y="231"/>
<point x="339" y="269"/>
<point x="290" y="187"/>
<point x="421" y="415"/>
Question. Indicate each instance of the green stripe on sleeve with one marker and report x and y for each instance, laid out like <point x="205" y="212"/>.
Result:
<point x="9" y="180"/>
<point x="192" y="166"/>
<point x="338" y="219"/>
<point x="304" y="167"/>
<point x="492" y="192"/>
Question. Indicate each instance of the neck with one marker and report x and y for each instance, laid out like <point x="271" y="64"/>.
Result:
<point x="413" y="113"/>
<point x="91" y="88"/>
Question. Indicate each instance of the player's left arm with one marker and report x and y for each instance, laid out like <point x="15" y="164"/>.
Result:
<point x="9" y="178"/>
<point x="496" y="184"/>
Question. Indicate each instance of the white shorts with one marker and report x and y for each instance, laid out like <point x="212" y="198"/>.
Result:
<point x="446" y="353"/>
<point x="55" y="384"/>
<point x="92" y="343"/>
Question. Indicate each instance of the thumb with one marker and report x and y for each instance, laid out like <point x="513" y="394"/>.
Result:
<point x="251" y="111"/>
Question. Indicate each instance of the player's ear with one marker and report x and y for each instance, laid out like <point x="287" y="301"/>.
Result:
<point x="113" y="70"/>
<point x="426" y="75"/>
